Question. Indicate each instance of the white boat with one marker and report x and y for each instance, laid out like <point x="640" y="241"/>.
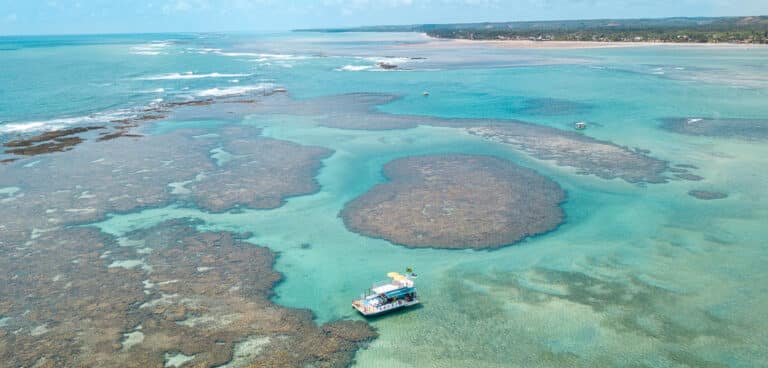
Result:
<point x="386" y="296"/>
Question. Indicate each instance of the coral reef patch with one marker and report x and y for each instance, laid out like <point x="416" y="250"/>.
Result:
<point x="200" y="299"/>
<point x="456" y="201"/>
<point x="96" y="179"/>
<point x="260" y="173"/>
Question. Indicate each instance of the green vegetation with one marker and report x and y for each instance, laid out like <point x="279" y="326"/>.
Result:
<point x="695" y="30"/>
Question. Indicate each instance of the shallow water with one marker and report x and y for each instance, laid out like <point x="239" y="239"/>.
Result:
<point x="638" y="275"/>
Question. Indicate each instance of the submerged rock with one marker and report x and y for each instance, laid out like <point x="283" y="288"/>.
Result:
<point x="689" y="177"/>
<point x="707" y="195"/>
<point x="456" y="201"/>
<point x="387" y="66"/>
<point x="50" y="136"/>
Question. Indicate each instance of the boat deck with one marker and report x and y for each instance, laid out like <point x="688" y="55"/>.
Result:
<point x="383" y="289"/>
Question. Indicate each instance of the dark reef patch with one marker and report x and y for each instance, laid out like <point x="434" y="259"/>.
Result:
<point x="49" y="136"/>
<point x="707" y="195"/>
<point x="98" y="178"/>
<point x="118" y="134"/>
<point x="261" y="172"/>
<point x="48" y="142"/>
<point x="552" y="106"/>
<point x="687" y="166"/>
<point x="68" y="301"/>
<point x="56" y="145"/>
<point x="689" y="177"/>
<point x="125" y="175"/>
<point x="456" y="201"/>
<point x="747" y="129"/>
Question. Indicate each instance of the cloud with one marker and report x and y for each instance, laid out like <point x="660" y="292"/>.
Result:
<point x="185" y="6"/>
<point x="11" y="18"/>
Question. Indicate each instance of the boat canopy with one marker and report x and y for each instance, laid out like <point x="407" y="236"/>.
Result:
<point x="396" y="276"/>
<point x="399" y="292"/>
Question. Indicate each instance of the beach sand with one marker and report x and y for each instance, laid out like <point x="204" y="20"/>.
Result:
<point x="558" y="45"/>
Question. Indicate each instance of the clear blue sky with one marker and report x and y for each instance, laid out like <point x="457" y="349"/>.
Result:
<point x="130" y="16"/>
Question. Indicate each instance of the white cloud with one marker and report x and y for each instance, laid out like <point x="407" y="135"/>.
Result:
<point x="184" y="6"/>
<point x="11" y="18"/>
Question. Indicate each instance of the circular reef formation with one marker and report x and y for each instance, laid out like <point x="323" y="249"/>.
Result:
<point x="456" y="201"/>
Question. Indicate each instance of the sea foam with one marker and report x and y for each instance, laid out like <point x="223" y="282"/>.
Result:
<point x="191" y="75"/>
<point x="53" y="124"/>
<point x="152" y="48"/>
<point x="354" y="68"/>
<point x="234" y="91"/>
<point x="263" y="56"/>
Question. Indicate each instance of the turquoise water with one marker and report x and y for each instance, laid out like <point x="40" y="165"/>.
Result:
<point x="636" y="276"/>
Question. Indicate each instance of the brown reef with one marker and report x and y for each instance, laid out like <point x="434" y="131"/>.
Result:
<point x="57" y="145"/>
<point x="118" y="134"/>
<point x="49" y="136"/>
<point x="75" y="298"/>
<point x="260" y="173"/>
<point x="97" y="179"/>
<point x="456" y="201"/>
<point x="48" y="142"/>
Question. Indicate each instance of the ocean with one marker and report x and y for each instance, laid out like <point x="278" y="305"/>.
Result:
<point x="638" y="274"/>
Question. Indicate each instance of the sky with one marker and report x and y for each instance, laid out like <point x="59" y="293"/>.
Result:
<point x="141" y="16"/>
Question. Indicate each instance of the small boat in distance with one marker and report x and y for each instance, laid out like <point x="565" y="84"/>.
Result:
<point x="580" y="125"/>
<point x="386" y="296"/>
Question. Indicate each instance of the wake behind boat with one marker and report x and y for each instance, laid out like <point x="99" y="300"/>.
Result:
<point x="386" y="296"/>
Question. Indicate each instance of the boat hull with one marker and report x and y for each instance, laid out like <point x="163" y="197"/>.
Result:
<point x="370" y="311"/>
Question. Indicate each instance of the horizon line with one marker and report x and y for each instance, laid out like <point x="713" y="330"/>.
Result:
<point x="126" y="33"/>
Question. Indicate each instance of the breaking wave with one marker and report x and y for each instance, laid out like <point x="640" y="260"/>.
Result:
<point x="235" y="91"/>
<point x="54" y="124"/>
<point x="191" y="75"/>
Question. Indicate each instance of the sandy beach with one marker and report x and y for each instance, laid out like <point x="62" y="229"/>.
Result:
<point x="559" y="45"/>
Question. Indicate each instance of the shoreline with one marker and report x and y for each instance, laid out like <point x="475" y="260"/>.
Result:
<point x="558" y="45"/>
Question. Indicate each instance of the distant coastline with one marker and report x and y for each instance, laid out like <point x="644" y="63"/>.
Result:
<point x="720" y="30"/>
<point x="444" y="43"/>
